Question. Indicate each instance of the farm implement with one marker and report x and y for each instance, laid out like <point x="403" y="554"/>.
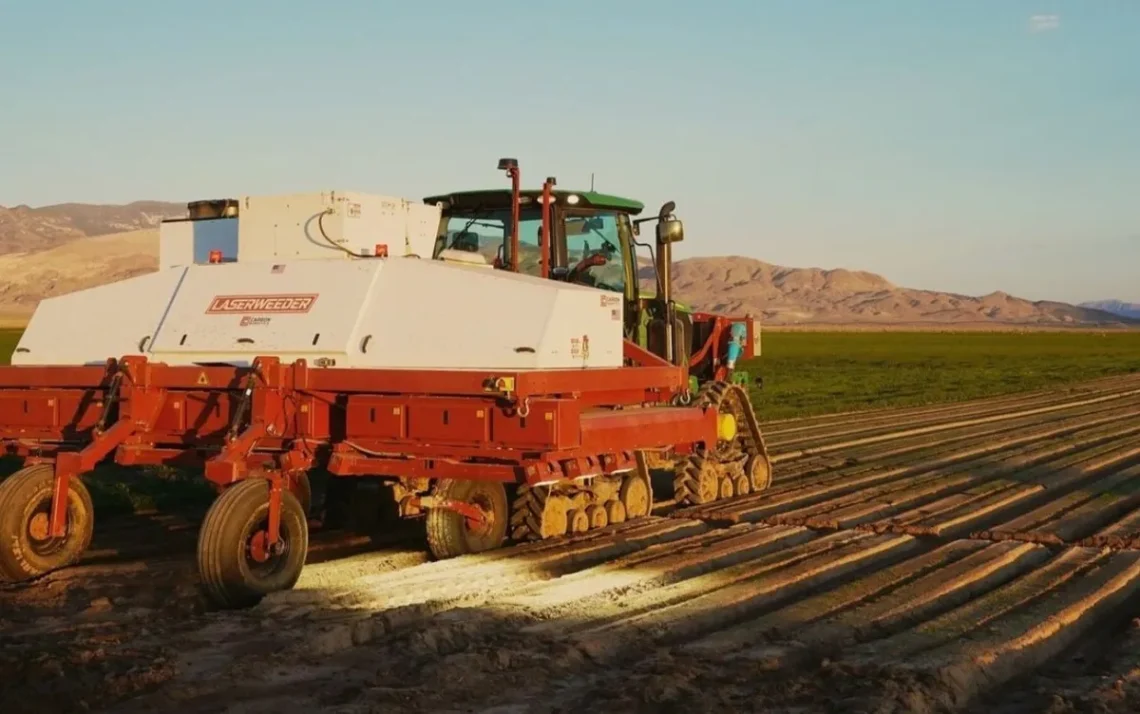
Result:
<point x="488" y="355"/>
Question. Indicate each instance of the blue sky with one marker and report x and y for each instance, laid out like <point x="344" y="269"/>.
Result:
<point x="945" y="145"/>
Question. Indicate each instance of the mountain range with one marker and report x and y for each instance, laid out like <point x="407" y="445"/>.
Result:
<point x="1116" y="307"/>
<point x="58" y="249"/>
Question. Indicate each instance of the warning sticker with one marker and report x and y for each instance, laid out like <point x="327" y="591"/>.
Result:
<point x="611" y="300"/>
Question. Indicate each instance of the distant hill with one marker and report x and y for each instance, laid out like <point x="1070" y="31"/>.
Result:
<point x="1116" y="307"/>
<point x="58" y="249"/>
<point x="787" y="296"/>
<point x="27" y="278"/>
<point x="24" y="229"/>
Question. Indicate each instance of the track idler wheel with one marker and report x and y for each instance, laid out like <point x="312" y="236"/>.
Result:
<point x="597" y="516"/>
<point x="615" y="512"/>
<point x="579" y="521"/>
<point x="451" y="533"/>
<point x="237" y="566"/>
<point x="636" y="495"/>
<point x="27" y="549"/>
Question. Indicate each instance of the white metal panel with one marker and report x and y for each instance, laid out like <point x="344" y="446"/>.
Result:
<point x="303" y="309"/>
<point x="423" y="226"/>
<point x="415" y="314"/>
<point x="175" y="244"/>
<point x="333" y="225"/>
<point x="481" y="319"/>
<point x="91" y="326"/>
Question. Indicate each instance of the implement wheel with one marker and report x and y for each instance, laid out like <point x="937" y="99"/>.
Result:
<point x="27" y="549"/>
<point x="450" y="533"/>
<point x="236" y="566"/>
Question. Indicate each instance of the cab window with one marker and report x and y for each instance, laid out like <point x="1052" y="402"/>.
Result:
<point x="593" y="250"/>
<point x="486" y="233"/>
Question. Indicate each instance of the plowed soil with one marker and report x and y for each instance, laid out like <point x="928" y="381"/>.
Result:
<point x="981" y="557"/>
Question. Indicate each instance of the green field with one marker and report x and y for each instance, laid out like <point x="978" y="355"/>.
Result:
<point x="811" y="373"/>
<point x="8" y="340"/>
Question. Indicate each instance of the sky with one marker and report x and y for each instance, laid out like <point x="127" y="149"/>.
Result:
<point x="967" y="146"/>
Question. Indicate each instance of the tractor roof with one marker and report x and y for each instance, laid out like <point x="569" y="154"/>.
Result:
<point x="501" y="198"/>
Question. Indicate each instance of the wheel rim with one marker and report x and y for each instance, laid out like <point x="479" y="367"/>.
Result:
<point x="726" y="489"/>
<point x="261" y="561"/>
<point x="482" y="534"/>
<point x="598" y="518"/>
<point x="760" y="473"/>
<point x="579" y="522"/>
<point x="37" y="529"/>
<point x="481" y="528"/>
<point x="743" y="488"/>
<point x="615" y="511"/>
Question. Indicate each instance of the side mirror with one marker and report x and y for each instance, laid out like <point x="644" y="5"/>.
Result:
<point x="670" y="231"/>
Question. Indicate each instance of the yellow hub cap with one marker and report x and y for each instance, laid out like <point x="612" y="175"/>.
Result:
<point x="726" y="427"/>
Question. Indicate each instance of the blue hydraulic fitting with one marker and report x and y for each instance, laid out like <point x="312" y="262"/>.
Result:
<point x="738" y="333"/>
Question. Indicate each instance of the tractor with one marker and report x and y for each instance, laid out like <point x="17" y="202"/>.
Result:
<point x="591" y="238"/>
<point x="503" y="374"/>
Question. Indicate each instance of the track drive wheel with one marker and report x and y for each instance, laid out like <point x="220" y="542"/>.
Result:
<point x="450" y="534"/>
<point x="27" y="550"/>
<point x="236" y="567"/>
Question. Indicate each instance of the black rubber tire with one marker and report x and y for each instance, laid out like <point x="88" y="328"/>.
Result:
<point x="230" y="578"/>
<point x="22" y="495"/>
<point x="447" y="532"/>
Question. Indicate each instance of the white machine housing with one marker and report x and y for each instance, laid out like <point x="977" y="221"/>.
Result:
<point x="334" y="224"/>
<point x="398" y="313"/>
<point x="322" y="225"/>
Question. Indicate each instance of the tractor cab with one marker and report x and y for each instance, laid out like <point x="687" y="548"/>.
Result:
<point x="591" y="239"/>
<point x="591" y="235"/>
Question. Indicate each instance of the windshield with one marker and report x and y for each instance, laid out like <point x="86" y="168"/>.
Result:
<point x="486" y="233"/>
<point x="594" y="243"/>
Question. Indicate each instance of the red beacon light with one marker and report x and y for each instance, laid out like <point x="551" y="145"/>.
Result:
<point x="215" y="256"/>
<point x="381" y="250"/>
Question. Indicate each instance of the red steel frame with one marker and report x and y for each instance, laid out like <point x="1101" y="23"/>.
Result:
<point x="277" y="420"/>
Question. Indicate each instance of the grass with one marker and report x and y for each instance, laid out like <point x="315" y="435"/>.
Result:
<point x="8" y="340"/>
<point x="813" y="373"/>
<point x="805" y="374"/>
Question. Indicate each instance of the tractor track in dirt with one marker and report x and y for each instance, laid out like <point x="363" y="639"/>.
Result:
<point x="975" y="557"/>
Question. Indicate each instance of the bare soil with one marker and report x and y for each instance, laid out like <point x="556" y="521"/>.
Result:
<point x="972" y="558"/>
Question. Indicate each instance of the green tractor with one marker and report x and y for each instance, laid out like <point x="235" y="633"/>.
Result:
<point x="591" y="239"/>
